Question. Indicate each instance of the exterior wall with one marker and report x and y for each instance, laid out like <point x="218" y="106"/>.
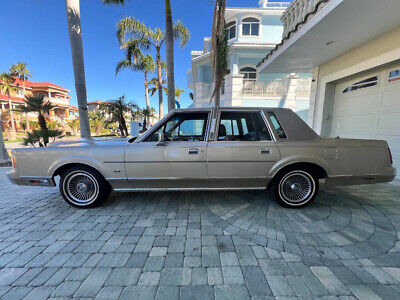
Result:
<point x="374" y="54"/>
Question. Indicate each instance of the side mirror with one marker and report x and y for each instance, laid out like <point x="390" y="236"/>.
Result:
<point x="161" y="139"/>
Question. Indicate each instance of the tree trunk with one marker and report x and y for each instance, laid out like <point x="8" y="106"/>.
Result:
<point x="26" y="115"/>
<point x="169" y="46"/>
<point x="42" y="122"/>
<point x="145" y="123"/>
<point x="75" y="38"/>
<point x="160" y="90"/>
<point x="4" y="157"/>
<point x="98" y="131"/>
<point x="146" y="88"/>
<point x="217" y="96"/>
<point x="11" y="113"/>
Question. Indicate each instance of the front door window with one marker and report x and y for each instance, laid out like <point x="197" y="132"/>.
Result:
<point x="183" y="127"/>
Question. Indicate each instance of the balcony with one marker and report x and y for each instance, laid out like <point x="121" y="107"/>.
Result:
<point x="55" y="100"/>
<point x="298" y="12"/>
<point x="268" y="88"/>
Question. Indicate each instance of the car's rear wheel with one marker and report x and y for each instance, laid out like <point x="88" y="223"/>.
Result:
<point x="83" y="187"/>
<point x="295" y="187"/>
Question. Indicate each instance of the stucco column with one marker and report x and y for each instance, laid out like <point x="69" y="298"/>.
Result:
<point x="290" y="91"/>
<point x="234" y="64"/>
<point x="67" y="113"/>
<point x="49" y="94"/>
<point x="233" y="90"/>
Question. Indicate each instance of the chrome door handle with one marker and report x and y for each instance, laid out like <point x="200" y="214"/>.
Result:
<point x="265" y="151"/>
<point x="193" y="151"/>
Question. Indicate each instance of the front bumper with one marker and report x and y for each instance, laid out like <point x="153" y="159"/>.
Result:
<point x="30" y="180"/>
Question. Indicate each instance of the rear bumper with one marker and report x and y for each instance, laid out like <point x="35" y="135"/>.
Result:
<point x="30" y="181"/>
<point x="388" y="175"/>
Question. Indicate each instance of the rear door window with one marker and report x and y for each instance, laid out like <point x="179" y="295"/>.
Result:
<point x="242" y="126"/>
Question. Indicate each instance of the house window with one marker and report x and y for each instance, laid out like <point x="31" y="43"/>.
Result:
<point x="394" y="76"/>
<point x="230" y="30"/>
<point x="251" y="27"/>
<point x="362" y="84"/>
<point x="250" y="74"/>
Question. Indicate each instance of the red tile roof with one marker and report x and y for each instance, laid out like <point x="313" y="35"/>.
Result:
<point x="14" y="99"/>
<point x="30" y="84"/>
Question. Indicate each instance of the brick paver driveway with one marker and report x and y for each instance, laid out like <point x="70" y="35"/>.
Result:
<point x="225" y="245"/>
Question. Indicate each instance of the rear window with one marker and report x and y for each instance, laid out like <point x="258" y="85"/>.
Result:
<point x="277" y="126"/>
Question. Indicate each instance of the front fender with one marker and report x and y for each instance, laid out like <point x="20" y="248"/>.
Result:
<point x="76" y="159"/>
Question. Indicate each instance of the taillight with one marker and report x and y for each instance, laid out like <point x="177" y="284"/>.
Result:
<point x="390" y="156"/>
<point x="13" y="162"/>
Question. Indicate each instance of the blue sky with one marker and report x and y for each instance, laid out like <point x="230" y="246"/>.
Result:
<point x="35" y="32"/>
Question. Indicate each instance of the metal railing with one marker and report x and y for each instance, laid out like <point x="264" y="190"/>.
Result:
<point x="272" y="88"/>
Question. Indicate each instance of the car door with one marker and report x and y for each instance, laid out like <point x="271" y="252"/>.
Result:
<point x="177" y="162"/>
<point x="242" y="152"/>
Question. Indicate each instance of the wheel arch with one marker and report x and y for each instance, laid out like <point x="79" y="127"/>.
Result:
<point x="59" y="167"/>
<point x="319" y="170"/>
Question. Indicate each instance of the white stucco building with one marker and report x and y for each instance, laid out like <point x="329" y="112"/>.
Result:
<point x="352" y="48"/>
<point x="252" y="32"/>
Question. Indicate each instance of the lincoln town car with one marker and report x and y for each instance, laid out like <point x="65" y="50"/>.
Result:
<point x="208" y="149"/>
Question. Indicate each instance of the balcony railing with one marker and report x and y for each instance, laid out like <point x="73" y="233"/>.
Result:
<point x="277" y="4"/>
<point x="297" y="12"/>
<point x="57" y="100"/>
<point x="272" y="88"/>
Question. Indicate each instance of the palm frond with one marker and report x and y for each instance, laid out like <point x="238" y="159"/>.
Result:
<point x="131" y="27"/>
<point x="182" y="33"/>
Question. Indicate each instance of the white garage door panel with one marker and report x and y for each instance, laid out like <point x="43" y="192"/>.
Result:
<point x="369" y="113"/>
<point x="363" y="126"/>
<point x="391" y="101"/>
<point x="351" y="106"/>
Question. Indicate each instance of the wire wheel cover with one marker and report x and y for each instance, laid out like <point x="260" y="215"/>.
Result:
<point x="81" y="188"/>
<point x="296" y="187"/>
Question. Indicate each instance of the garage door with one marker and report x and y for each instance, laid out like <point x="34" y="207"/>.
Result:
<point x="368" y="107"/>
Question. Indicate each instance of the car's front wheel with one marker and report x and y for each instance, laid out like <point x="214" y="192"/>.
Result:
<point x="295" y="187"/>
<point x="83" y="187"/>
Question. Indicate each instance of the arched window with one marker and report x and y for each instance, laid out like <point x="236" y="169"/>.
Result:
<point x="230" y="30"/>
<point x="251" y="27"/>
<point x="250" y="74"/>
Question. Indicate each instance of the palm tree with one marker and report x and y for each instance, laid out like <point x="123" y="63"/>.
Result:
<point x="74" y="124"/>
<point x="75" y="38"/>
<point x="38" y="105"/>
<point x="7" y="87"/>
<point x="141" y="63"/>
<point x="155" y="88"/>
<point x="169" y="49"/>
<point x="147" y="113"/>
<point x="144" y="37"/>
<point x="220" y="49"/>
<point x="117" y="109"/>
<point x="178" y="93"/>
<point x="20" y="71"/>
<point x="97" y="121"/>
<point x="4" y="157"/>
